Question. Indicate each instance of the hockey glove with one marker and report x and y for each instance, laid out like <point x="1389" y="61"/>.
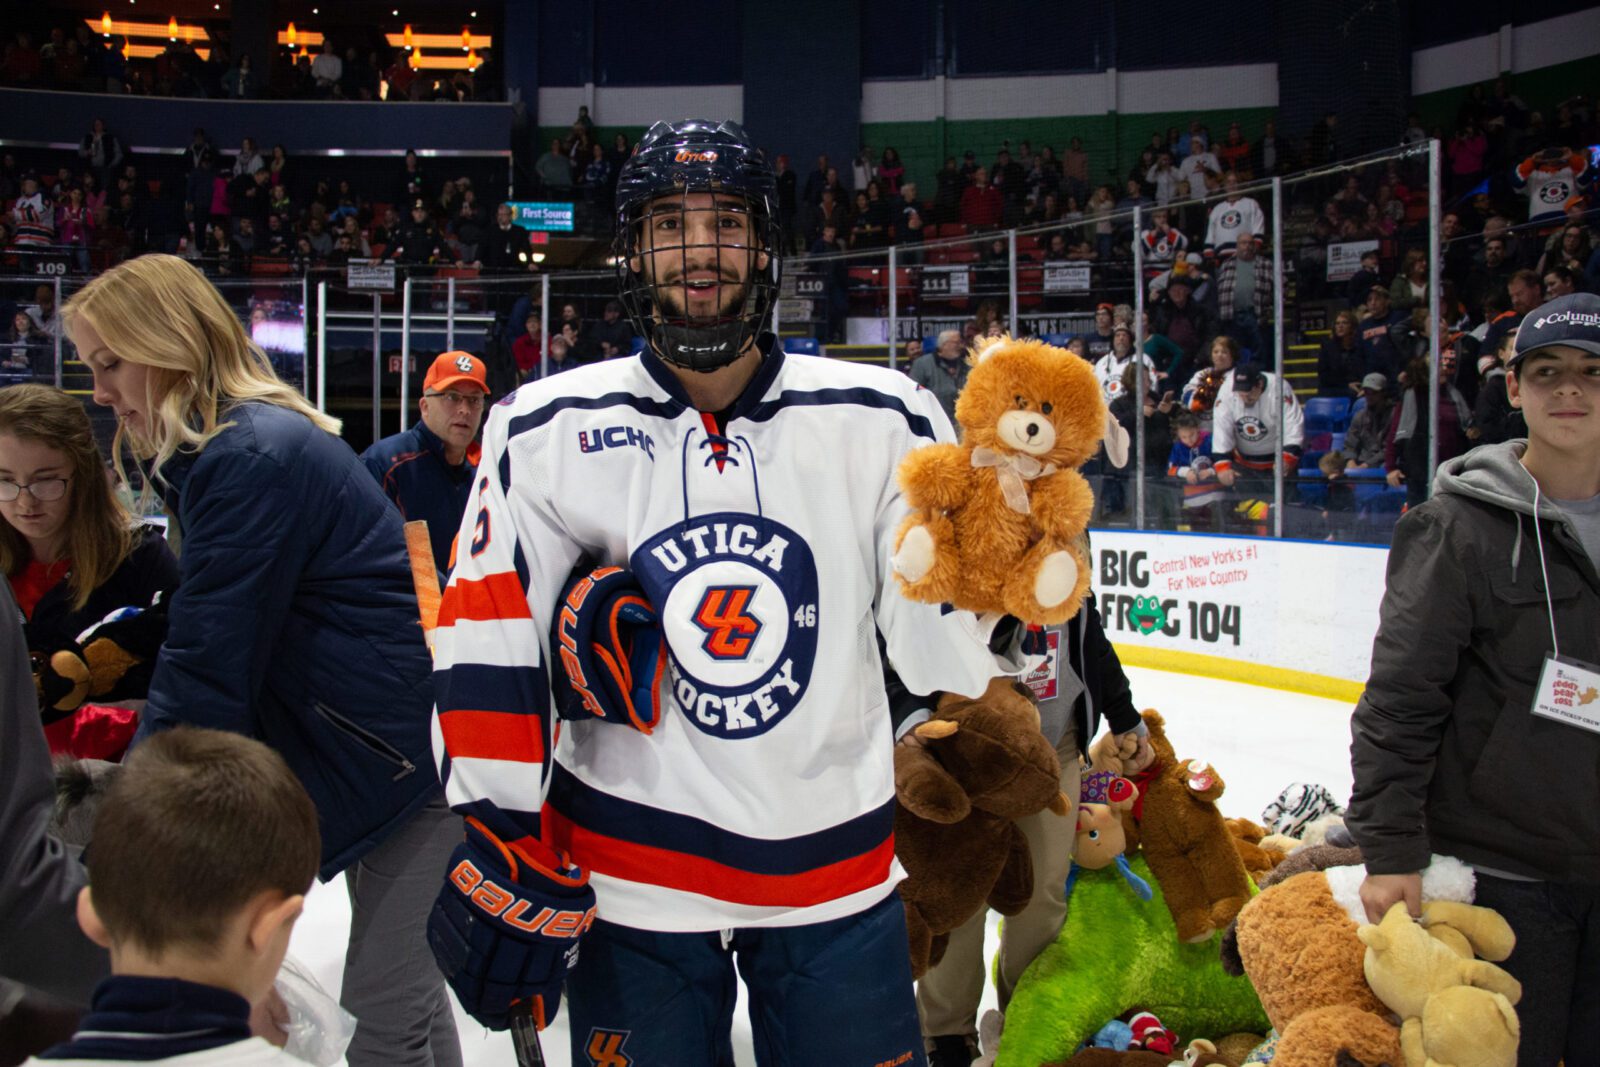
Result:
<point x="612" y="653"/>
<point x="505" y="927"/>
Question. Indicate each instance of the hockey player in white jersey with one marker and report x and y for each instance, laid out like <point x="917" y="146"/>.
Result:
<point x="723" y="789"/>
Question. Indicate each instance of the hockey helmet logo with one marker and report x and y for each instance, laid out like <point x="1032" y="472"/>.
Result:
<point x="689" y="155"/>
<point x="738" y="599"/>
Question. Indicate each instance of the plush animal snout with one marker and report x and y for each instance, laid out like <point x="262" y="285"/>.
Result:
<point x="1026" y="431"/>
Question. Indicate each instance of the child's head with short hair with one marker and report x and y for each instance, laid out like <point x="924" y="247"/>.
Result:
<point x="203" y="850"/>
<point x="1188" y="428"/>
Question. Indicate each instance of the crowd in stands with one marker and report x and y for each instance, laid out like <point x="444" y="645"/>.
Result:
<point x="240" y="207"/>
<point x="354" y="65"/>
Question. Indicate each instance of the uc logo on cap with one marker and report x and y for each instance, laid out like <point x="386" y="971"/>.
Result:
<point x="464" y="364"/>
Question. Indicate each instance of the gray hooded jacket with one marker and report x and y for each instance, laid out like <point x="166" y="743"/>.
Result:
<point x="1446" y="753"/>
<point x="40" y="943"/>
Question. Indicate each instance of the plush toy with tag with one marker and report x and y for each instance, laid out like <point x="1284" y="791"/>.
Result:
<point x="996" y="521"/>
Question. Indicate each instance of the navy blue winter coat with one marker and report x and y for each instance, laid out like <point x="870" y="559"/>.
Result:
<point x="411" y="470"/>
<point x="296" y="622"/>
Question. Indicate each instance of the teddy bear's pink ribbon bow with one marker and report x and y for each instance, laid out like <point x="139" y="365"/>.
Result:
<point x="1012" y="471"/>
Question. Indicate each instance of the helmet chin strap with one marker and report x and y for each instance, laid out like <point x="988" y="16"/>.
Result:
<point x="704" y="349"/>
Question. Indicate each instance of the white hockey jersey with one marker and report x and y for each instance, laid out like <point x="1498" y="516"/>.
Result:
<point x="765" y="795"/>
<point x="1549" y="183"/>
<point x="1109" y="370"/>
<point x="1230" y="220"/>
<point x="1250" y="434"/>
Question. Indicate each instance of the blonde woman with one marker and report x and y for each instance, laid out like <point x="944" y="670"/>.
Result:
<point x="73" y="554"/>
<point x="295" y="621"/>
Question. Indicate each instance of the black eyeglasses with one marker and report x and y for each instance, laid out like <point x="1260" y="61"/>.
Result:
<point x="44" y="490"/>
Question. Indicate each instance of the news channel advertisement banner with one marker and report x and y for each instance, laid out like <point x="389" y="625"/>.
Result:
<point x="543" y="216"/>
<point x="1301" y="607"/>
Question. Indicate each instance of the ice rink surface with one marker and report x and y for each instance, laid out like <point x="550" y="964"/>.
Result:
<point x="1259" y="739"/>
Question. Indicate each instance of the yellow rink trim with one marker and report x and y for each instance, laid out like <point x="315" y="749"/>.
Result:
<point x="1233" y="670"/>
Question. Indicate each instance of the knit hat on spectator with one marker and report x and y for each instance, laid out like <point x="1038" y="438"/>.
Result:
<point x="1572" y="320"/>
<point x="1298" y="806"/>
<point x="1375" y="381"/>
<point x="455" y="368"/>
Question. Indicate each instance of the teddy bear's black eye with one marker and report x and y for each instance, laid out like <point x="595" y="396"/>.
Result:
<point x="1045" y="408"/>
<point x="1022" y="401"/>
<point x="1094" y="835"/>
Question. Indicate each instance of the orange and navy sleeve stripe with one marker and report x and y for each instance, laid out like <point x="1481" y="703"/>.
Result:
<point x="494" y="729"/>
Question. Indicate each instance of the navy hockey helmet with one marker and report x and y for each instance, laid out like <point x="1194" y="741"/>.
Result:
<point x="699" y="286"/>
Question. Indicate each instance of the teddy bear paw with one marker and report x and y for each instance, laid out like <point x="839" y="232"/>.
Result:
<point x="915" y="558"/>
<point x="1057" y="576"/>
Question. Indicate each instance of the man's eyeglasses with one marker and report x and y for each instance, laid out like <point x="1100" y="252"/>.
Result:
<point x="470" y="401"/>
<point x="44" y="490"/>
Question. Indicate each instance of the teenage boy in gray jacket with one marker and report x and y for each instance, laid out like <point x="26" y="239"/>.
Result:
<point x="1488" y="583"/>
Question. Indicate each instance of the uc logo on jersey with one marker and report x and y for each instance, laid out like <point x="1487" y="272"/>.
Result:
<point x="737" y="596"/>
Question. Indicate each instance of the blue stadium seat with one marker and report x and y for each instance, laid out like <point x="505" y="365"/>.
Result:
<point x="1060" y="340"/>
<point x="1359" y="406"/>
<point x="1327" y="414"/>
<point x="1337" y="444"/>
<point x="805" y="346"/>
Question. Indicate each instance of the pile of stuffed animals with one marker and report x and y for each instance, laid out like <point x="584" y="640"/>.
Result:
<point x="1191" y="938"/>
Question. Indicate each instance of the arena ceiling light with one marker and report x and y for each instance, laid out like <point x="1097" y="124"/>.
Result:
<point x="107" y="26"/>
<point x="463" y="41"/>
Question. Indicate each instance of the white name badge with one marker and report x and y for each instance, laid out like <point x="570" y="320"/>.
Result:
<point x="1569" y="692"/>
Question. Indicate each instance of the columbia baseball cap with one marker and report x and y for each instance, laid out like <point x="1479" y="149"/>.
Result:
<point x="1375" y="381"/>
<point x="1572" y="320"/>
<point x="455" y="368"/>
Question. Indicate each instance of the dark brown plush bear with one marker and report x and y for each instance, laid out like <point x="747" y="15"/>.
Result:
<point x="978" y="764"/>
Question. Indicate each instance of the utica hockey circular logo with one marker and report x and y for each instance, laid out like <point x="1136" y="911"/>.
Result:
<point x="737" y="595"/>
<point x="1231" y="219"/>
<point x="1250" y="428"/>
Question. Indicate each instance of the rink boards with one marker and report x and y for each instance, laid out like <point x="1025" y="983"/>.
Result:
<point x="1293" y="615"/>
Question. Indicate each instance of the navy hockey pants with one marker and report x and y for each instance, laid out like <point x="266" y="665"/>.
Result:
<point x="837" y="993"/>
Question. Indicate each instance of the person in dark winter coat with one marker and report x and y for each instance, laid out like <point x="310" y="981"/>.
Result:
<point x="295" y="621"/>
<point x="1341" y="364"/>
<point x="1463" y="744"/>
<point x="1494" y="420"/>
<point x="73" y="554"/>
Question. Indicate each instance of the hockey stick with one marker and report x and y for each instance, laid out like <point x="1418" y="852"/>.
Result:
<point x="425" y="578"/>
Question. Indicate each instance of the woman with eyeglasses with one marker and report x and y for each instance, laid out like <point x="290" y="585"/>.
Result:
<point x="73" y="555"/>
<point x="295" y="622"/>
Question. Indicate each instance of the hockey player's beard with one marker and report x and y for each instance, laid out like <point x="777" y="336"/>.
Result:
<point x="671" y="298"/>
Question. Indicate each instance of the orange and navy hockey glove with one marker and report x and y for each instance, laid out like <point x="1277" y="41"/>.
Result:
<point x="505" y="927"/>
<point x="612" y="654"/>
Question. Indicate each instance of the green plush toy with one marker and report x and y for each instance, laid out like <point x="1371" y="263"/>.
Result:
<point x="1117" y="952"/>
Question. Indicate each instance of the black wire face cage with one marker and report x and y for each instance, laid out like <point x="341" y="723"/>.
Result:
<point x="698" y="271"/>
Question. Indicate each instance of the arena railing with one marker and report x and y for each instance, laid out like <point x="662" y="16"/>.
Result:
<point x="357" y="340"/>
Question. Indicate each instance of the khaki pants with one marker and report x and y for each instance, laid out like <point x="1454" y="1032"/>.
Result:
<point x="948" y="995"/>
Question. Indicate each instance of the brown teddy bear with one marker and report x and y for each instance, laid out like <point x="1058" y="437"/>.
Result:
<point x="996" y="521"/>
<point x="1182" y="834"/>
<point x="978" y="764"/>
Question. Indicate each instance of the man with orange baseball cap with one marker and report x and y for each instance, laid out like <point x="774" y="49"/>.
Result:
<point x="427" y="470"/>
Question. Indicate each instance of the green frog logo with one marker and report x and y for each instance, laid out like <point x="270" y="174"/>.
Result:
<point x="1147" y="615"/>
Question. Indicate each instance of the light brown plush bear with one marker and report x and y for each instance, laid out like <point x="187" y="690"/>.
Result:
<point x="996" y="521"/>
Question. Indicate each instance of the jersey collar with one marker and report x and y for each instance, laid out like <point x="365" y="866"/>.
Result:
<point x="766" y="374"/>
